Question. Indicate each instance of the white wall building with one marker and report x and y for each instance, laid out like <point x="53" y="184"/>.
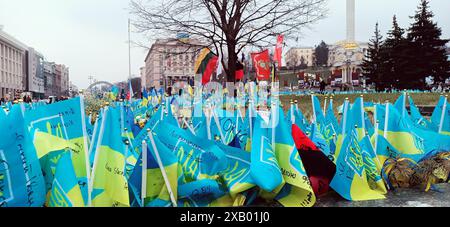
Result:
<point x="12" y="66"/>
<point x="35" y="73"/>
<point x="295" y="55"/>
<point x="345" y="57"/>
<point x="170" y="60"/>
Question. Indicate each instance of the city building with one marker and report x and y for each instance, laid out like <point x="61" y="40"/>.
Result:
<point x="298" y="55"/>
<point x="345" y="60"/>
<point x="12" y="66"/>
<point x="143" y="77"/>
<point x="49" y="77"/>
<point x="34" y="80"/>
<point x="345" y="57"/>
<point x="57" y="80"/>
<point x="73" y="89"/>
<point x="171" y="60"/>
<point x="23" y="71"/>
<point x="65" y="83"/>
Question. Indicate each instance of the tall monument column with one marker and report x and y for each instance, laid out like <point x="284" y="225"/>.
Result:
<point x="351" y="20"/>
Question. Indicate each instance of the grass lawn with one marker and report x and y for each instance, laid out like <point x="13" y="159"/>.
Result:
<point x="304" y="101"/>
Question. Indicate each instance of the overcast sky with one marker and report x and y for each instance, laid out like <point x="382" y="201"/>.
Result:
<point x="90" y="36"/>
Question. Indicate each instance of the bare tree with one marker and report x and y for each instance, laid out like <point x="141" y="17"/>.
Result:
<point x="226" y="26"/>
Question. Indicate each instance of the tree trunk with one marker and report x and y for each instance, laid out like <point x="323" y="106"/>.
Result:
<point x="232" y="59"/>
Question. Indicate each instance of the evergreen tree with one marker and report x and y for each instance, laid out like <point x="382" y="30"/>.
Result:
<point x="372" y="62"/>
<point x="428" y="56"/>
<point x="392" y="55"/>
<point x="322" y="52"/>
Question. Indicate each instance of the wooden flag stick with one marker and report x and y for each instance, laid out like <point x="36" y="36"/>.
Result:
<point x="386" y="120"/>
<point x="144" y="172"/>
<point x="163" y="171"/>
<point x="444" y="108"/>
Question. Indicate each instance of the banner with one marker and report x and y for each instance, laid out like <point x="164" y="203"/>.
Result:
<point x="261" y="62"/>
<point x="206" y="64"/>
<point x="279" y="50"/>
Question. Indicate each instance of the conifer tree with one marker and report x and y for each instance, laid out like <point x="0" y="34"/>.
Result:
<point x="426" y="49"/>
<point x="392" y="55"/>
<point x="372" y="62"/>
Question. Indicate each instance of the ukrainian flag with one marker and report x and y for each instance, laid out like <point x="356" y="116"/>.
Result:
<point x="20" y="187"/>
<point x="65" y="120"/>
<point x="159" y="190"/>
<point x="199" y="157"/>
<point x="417" y="119"/>
<point x="354" y="166"/>
<point x="406" y="138"/>
<point x="65" y="191"/>
<point x="441" y="116"/>
<point x="237" y="176"/>
<point x="264" y="167"/>
<point x="109" y="184"/>
<point x="297" y="192"/>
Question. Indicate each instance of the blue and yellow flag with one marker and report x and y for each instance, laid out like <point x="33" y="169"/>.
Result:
<point x="410" y="141"/>
<point x="199" y="157"/>
<point x="157" y="186"/>
<point x="417" y="119"/>
<point x="319" y="116"/>
<point x="21" y="180"/>
<point x="202" y="193"/>
<point x="354" y="166"/>
<point x="264" y="167"/>
<point x="319" y="139"/>
<point x="237" y="176"/>
<point x="441" y="116"/>
<point x="109" y="184"/>
<point x="373" y="166"/>
<point x="65" y="191"/>
<point x="151" y="125"/>
<point x="65" y="120"/>
<point x="223" y="125"/>
<point x="297" y="190"/>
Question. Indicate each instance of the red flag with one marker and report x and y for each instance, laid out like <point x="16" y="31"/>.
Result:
<point x="239" y="71"/>
<point x="279" y="50"/>
<point x="261" y="62"/>
<point x="210" y="69"/>
<point x="319" y="168"/>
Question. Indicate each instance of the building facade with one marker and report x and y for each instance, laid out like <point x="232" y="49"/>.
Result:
<point x="12" y="66"/>
<point x="143" y="77"/>
<point x="49" y="77"/>
<point x="23" y="69"/>
<point x="65" y="83"/>
<point x="73" y="89"/>
<point x="35" y="81"/>
<point x="57" y="81"/>
<point x="345" y="57"/>
<point x="169" y="61"/>
<point x="298" y="55"/>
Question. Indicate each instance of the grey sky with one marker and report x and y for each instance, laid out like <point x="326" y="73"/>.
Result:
<point x="90" y="36"/>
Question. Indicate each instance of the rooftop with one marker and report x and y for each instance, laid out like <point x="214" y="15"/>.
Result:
<point x="11" y="40"/>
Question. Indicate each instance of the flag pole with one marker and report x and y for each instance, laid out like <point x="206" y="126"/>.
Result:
<point x="97" y="151"/>
<point x="216" y="120"/>
<point x="144" y="172"/>
<point x="292" y="113"/>
<point x="444" y="108"/>
<point x="386" y="120"/>
<point x="363" y="123"/>
<point x="129" y="49"/>
<point x="314" y="109"/>
<point x="163" y="171"/>
<point x="344" y="116"/>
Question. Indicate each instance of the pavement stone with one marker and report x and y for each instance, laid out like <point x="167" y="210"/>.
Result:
<point x="405" y="197"/>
